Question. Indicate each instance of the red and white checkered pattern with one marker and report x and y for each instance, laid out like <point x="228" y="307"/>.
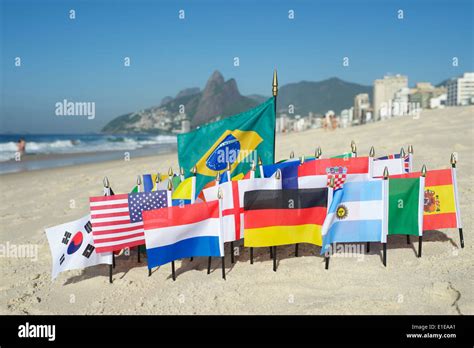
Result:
<point x="339" y="180"/>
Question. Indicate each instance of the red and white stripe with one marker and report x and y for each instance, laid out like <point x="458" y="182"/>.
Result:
<point x="111" y="225"/>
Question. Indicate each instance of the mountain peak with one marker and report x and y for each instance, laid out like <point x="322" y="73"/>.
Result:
<point x="216" y="77"/>
<point x="220" y="98"/>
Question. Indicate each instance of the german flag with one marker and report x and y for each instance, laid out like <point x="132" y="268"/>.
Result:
<point x="281" y="217"/>
<point x="441" y="208"/>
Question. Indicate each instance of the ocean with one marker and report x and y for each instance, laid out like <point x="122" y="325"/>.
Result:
<point x="57" y="150"/>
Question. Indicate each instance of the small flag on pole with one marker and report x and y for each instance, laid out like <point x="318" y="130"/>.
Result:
<point x="282" y="217"/>
<point x="184" y="231"/>
<point x="117" y="220"/>
<point x="72" y="246"/>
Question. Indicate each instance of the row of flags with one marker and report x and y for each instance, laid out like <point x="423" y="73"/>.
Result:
<point x="225" y="192"/>
<point x="346" y="204"/>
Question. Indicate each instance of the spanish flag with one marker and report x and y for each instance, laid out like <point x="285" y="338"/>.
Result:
<point x="282" y="217"/>
<point x="441" y="206"/>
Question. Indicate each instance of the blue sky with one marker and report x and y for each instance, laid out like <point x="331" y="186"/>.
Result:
<point x="82" y="59"/>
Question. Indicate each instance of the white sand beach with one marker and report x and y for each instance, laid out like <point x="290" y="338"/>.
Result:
<point x="441" y="282"/>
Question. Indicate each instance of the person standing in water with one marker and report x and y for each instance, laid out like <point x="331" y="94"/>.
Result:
<point x="21" y="146"/>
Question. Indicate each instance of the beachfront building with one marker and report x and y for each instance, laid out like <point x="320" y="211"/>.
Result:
<point x="423" y="93"/>
<point x="384" y="93"/>
<point x="361" y="107"/>
<point x="282" y="123"/>
<point x="438" y="102"/>
<point x="346" y="118"/>
<point x="461" y="90"/>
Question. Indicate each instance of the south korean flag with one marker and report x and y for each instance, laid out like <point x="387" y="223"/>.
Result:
<point x="72" y="246"/>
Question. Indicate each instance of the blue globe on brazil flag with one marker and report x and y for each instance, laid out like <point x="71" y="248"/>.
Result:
<point x="226" y="151"/>
<point x="75" y="244"/>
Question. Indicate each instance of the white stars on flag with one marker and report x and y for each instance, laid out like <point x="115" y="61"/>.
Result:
<point x="138" y="202"/>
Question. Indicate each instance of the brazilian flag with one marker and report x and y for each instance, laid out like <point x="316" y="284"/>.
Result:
<point x="237" y="140"/>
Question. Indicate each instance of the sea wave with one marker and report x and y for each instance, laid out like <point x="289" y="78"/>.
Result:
<point x="86" y="144"/>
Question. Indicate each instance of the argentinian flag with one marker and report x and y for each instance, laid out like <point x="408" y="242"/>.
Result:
<point x="358" y="213"/>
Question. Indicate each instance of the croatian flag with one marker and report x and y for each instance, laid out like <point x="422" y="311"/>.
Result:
<point x="233" y="202"/>
<point x="315" y="174"/>
<point x="358" y="213"/>
<point x="183" y="231"/>
<point x="117" y="220"/>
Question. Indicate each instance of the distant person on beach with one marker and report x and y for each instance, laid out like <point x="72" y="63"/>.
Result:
<point x="21" y="145"/>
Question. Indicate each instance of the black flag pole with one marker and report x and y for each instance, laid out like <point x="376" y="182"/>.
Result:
<point x="108" y="192"/>
<point x="274" y="248"/>
<point x="420" y="238"/>
<point x="302" y="159"/>
<point x="274" y="258"/>
<point x="402" y="155"/>
<point x="139" y="185"/>
<point x="193" y="173"/>
<point x="385" y="177"/>
<point x="453" y="166"/>
<point x="173" y="273"/>
<point x="209" y="265"/>
<point x="275" y="95"/>
<point x="223" y="267"/>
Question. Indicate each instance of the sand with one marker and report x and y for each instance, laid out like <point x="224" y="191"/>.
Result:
<point x="441" y="282"/>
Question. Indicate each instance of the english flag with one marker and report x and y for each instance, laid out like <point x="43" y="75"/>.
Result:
<point x="233" y="202"/>
<point x="72" y="246"/>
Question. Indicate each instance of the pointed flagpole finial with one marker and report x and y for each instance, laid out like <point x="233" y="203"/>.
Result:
<point x="170" y="184"/>
<point x="181" y="171"/>
<point x="302" y="159"/>
<point x="402" y="152"/>
<point x="219" y="193"/>
<point x="353" y="147"/>
<point x="292" y="154"/>
<point x="193" y="171"/>
<point x="170" y="172"/>
<point x="139" y="180"/>
<point x="278" y="174"/>
<point x="218" y="177"/>
<point x="228" y="166"/>
<point x="423" y="171"/>
<point x="275" y="84"/>
<point x="410" y="149"/>
<point x="158" y="177"/>
<point x="320" y="152"/>
<point x="106" y="182"/>
<point x="253" y="166"/>
<point x="260" y="161"/>
<point x="454" y="160"/>
<point x="385" y="173"/>
<point x="372" y="152"/>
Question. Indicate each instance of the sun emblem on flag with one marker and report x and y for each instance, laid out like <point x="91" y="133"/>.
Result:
<point x="341" y="212"/>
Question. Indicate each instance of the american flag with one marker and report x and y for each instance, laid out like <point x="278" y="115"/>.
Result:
<point x="406" y="160"/>
<point x="117" y="220"/>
